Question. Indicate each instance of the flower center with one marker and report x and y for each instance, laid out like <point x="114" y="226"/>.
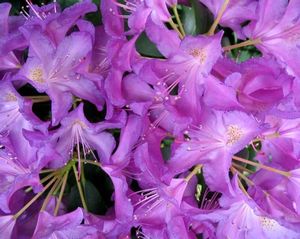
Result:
<point x="267" y="223"/>
<point x="199" y="54"/>
<point x="234" y="133"/>
<point x="10" y="97"/>
<point x="79" y="123"/>
<point x="36" y="74"/>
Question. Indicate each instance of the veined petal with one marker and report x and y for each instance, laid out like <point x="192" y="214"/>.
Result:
<point x="65" y="226"/>
<point x="70" y="53"/>
<point x="7" y="224"/>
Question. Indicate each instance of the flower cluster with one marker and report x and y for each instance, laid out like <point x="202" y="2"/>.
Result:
<point x="195" y="133"/>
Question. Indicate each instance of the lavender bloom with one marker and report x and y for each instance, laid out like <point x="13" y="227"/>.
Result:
<point x="277" y="32"/>
<point x="66" y="226"/>
<point x="214" y="148"/>
<point x="10" y="38"/>
<point x="54" y="71"/>
<point x="102" y="138"/>
<point x="236" y="13"/>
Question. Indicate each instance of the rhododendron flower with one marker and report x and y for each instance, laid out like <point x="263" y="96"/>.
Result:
<point x="213" y="143"/>
<point x="277" y="31"/>
<point x="150" y="119"/>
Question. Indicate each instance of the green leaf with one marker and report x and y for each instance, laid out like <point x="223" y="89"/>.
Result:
<point x="147" y="48"/>
<point x="204" y="18"/>
<point x="73" y="198"/>
<point x="67" y="3"/>
<point x="244" y="153"/>
<point x="94" y="199"/>
<point x="95" y="17"/>
<point x="165" y="148"/>
<point x="188" y="19"/>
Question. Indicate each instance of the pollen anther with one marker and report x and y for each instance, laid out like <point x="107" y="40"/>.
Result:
<point x="10" y="97"/>
<point x="234" y="133"/>
<point x="36" y="74"/>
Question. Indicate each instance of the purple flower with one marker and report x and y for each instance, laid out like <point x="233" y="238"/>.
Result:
<point x="277" y="32"/>
<point x="56" y="71"/>
<point x="78" y="134"/>
<point x="236" y="13"/>
<point x="159" y="206"/>
<point x="54" y="23"/>
<point x="65" y="226"/>
<point x="240" y="217"/>
<point x="10" y="38"/>
<point x="219" y="136"/>
<point x="196" y="56"/>
<point x="6" y="225"/>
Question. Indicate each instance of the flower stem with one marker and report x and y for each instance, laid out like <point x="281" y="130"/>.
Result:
<point x="174" y="26"/>
<point x="242" y="44"/>
<point x="89" y="162"/>
<point x="242" y="168"/>
<point x="196" y="169"/>
<point x="178" y="20"/>
<point x="47" y="171"/>
<point x="45" y="179"/>
<point x="284" y="173"/>
<point x="61" y="193"/>
<point x="38" y="98"/>
<point x="56" y="185"/>
<point x="34" y="199"/>
<point x="80" y="188"/>
<point x="247" y="180"/>
<point x="218" y="18"/>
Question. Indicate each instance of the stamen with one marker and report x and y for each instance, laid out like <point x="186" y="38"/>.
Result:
<point x="160" y="118"/>
<point x="132" y="175"/>
<point x="146" y="200"/>
<point x="24" y="14"/>
<point x="142" y="191"/>
<point x="154" y="205"/>
<point x="127" y="8"/>
<point x="33" y="9"/>
<point x="141" y="235"/>
<point x="79" y="139"/>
